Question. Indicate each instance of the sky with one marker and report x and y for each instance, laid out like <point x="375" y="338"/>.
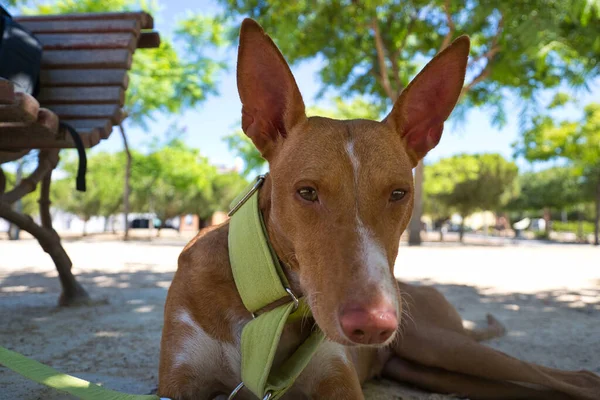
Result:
<point x="220" y="115"/>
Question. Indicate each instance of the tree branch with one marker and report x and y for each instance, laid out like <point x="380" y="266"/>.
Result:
<point x="383" y="72"/>
<point x="489" y="56"/>
<point x="47" y="161"/>
<point x="451" y="26"/>
<point x="396" y="53"/>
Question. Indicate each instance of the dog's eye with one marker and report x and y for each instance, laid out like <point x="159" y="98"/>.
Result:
<point x="308" y="194"/>
<point x="397" y="195"/>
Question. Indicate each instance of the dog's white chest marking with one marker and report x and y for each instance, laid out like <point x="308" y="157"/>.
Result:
<point x="198" y="350"/>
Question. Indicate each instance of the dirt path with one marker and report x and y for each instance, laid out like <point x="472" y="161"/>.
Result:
<point x="548" y="297"/>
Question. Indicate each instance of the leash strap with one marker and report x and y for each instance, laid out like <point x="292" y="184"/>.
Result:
<point x="50" y="377"/>
<point x="260" y="281"/>
<point x="82" y="167"/>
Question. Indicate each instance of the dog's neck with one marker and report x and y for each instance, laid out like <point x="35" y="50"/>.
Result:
<point x="281" y="245"/>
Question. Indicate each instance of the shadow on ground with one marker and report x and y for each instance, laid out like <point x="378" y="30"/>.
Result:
<point x="117" y="343"/>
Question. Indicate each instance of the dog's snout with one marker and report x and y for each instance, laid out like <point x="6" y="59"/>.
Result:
<point x="373" y="324"/>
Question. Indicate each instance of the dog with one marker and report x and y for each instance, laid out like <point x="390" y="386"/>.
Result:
<point x="337" y="198"/>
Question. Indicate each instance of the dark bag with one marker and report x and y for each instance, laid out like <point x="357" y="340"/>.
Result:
<point x="20" y="63"/>
<point x="20" y="55"/>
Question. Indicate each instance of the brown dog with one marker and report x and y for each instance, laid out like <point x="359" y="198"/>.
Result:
<point x="338" y="197"/>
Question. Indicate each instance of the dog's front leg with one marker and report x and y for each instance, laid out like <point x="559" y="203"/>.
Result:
<point x="330" y="375"/>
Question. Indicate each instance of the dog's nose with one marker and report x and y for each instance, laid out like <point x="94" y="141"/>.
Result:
<point x="369" y="325"/>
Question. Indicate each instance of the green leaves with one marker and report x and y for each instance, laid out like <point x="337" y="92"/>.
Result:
<point x="577" y="142"/>
<point x="467" y="183"/>
<point x="523" y="47"/>
<point x="169" y="181"/>
<point x="104" y="194"/>
<point x="556" y="188"/>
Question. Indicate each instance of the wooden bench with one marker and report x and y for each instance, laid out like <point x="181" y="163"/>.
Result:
<point x="83" y="81"/>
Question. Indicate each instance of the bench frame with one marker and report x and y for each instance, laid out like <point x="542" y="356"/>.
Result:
<point x="25" y="126"/>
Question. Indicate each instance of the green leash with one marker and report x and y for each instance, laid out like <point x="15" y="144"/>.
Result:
<point x="261" y="282"/>
<point x="50" y="377"/>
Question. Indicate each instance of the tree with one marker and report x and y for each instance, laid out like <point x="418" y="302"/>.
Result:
<point x="175" y="76"/>
<point x="374" y="48"/>
<point x="356" y="108"/>
<point x="170" y="180"/>
<point x="104" y="192"/>
<point x="576" y="142"/>
<point x="466" y="183"/>
<point x="556" y="188"/>
<point x="226" y="187"/>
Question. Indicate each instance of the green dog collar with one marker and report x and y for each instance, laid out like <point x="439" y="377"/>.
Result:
<point x="261" y="282"/>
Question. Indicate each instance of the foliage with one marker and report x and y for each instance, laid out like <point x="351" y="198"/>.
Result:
<point x="226" y="187"/>
<point x="177" y="75"/>
<point x="575" y="142"/>
<point x="375" y="48"/>
<point x="170" y="180"/>
<point x="555" y="188"/>
<point x="104" y="187"/>
<point x="573" y="226"/>
<point x="240" y="145"/>
<point x="357" y="108"/>
<point x="466" y="183"/>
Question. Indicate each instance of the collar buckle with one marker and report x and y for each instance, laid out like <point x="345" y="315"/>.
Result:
<point x="294" y="298"/>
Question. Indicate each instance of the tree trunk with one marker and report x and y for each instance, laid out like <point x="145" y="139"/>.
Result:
<point x="597" y="220"/>
<point x="461" y="230"/>
<point x="84" y="233"/>
<point x="72" y="292"/>
<point x="126" y="187"/>
<point x="548" y="221"/>
<point x="414" y="229"/>
<point x="580" y="234"/>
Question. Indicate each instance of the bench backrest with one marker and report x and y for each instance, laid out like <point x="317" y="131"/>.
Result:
<point x="84" y="65"/>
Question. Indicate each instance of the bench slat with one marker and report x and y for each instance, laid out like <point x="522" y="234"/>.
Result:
<point x="87" y="41"/>
<point x="75" y="111"/>
<point x="39" y="137"/>
<point x="24" y="109"/>
<point x="148" y="40"/>
<point x="78" y="59"/>
<point x="87" y="77"/>
<point x="77" y="26"/>
<point x="82" y="95"/>
<point x="12" y="155"/>
<point x="103" y="125"/>
<point x="146" y="20"/>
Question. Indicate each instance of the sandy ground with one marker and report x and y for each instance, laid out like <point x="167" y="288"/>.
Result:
<point x="548" y="296"/>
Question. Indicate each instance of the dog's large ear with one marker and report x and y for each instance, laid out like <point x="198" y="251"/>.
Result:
<point x="271" y="102"/>
<point x="419" y="113"/>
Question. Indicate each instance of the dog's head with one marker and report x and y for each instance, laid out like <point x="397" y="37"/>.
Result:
<point x="342" y="191"/>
